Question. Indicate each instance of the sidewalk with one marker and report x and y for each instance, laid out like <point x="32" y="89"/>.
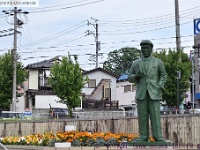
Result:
<point x="22" y="147"/>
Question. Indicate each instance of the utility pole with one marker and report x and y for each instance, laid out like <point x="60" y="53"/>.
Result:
<point x="193" y="80"/>
<point x="178" y="94"/>
<point x="14" y="60"/>
<point x="17" y="23"/>
<point x="177" y="23"/>
<point x="96" y="35"/>
<point x="178" y="46"/>
<point x="97" y="45"/>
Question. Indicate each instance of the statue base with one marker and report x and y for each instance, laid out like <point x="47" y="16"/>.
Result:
<point x="150" y="143"/>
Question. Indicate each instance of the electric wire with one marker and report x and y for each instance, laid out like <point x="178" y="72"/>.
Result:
<point x="56" y="35"/>
<point x="182" y="16"/>
<point x="89" y="3"/>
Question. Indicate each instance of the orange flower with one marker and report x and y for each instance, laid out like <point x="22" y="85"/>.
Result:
<point x="151" y="139"/>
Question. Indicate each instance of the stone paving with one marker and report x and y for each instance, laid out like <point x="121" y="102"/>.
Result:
<point x="18" y="147"/>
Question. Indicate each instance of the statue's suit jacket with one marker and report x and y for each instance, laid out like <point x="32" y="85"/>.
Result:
<point x="152" y="79"/>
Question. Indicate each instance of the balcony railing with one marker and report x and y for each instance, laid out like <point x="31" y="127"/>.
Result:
<point x="100" y="104"/>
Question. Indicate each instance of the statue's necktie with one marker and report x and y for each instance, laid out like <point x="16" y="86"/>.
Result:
<point x="146" y="64"/>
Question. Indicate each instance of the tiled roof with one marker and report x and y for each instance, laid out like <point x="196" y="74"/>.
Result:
<point x="43" y="64"/>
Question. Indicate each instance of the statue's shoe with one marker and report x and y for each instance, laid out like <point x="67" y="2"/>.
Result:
<point x="140" y="139"/>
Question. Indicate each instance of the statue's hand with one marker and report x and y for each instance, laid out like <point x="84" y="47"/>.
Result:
<point x="139" y="75"/>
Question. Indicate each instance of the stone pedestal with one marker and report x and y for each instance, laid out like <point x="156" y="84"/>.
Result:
<point x="152" y="148"/>
<point x="149" y="143"/>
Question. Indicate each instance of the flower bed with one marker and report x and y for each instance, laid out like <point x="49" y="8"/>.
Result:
<point x="76" y="138"/>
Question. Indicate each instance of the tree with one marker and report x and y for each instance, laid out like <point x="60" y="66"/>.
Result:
<point x="67" y="81"/>
<point x="6" y="79"/>
<point x="175" y="61"/>
<point x="119" y="61"/>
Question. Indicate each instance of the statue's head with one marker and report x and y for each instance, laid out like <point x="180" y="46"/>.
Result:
<point x="146" y="48"/>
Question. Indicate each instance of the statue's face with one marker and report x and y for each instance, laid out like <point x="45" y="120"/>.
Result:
<point x="146" y="50"/>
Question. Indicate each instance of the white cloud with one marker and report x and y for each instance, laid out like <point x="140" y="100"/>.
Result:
<point x="146" y="15"/>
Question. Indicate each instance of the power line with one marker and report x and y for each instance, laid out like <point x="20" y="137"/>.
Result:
<point x="102" y="43"/>
<point x="6" y="34"/>
<point x="59" y="5"/>
<point x="69" y="40"/>
<point x="8" y="30"/>
<point x="67" y="7"/>
<point x="56" y="35"/>
<point x="88" y="54"/>
<point x="51" y="37"/>
<point x="147" y="30"/>
<point x="152" y="19"/>
<point x="106" y="31"/>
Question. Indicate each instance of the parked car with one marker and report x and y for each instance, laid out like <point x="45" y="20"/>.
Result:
<point x="12" y="115"/>
<point x="60" y="113"/>
<point x="165" y="110"/>
<point x="195" y="111"/>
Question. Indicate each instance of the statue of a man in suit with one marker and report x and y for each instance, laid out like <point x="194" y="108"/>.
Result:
<point x="150" y="76"/>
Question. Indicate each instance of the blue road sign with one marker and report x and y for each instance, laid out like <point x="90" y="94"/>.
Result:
<point x="197" y="26"/>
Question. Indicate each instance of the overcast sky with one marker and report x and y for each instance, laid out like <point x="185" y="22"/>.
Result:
<point x="57" y="27"/>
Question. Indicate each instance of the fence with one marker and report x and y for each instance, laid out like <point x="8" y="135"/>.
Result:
<point x="181" y="129"/>
<point x="82" y="115"/>
<point x="100" y="104"/>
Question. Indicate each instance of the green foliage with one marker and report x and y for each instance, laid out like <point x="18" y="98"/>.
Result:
<point x="76" y="142"/>
<point x="111" y="142"/>
<point x="6" y="79"/>
<point x="119" y="61"/>
<point x="174" y="61"/>
<point x="91" y="142"/>
<point x="67" y="81"/>
<point x="100" y="141"/>
<point x="51" y="142"/>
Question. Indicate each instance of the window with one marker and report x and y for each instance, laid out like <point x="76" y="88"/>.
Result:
<point x="107" y="93"/>
<point x="127" y="88"/>
<point x="41" y="78"/>
<point x="133" y="88"/>
<point x="46" y="83"/>
<point x="92" y="83"/>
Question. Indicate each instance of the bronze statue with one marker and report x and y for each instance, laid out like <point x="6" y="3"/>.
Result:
<point x="150" y="76"/>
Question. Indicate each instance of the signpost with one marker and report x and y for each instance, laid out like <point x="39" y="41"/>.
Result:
<point x="197" y="26"/>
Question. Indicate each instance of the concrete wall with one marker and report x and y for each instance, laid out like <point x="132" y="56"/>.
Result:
<point x="43" y="101"/>
<point x="20" y="103"/>
<point x="182" y="129"/>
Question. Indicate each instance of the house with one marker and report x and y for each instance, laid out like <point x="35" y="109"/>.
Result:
<point x="39" y="96"/>
<point x="101" y="87"/>
<point x="125" y="93"/>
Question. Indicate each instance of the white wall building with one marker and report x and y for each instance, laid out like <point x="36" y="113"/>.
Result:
<point x="39" y="95"/>
<point x="125" y="93"/>
<point x="101" y="84"/>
